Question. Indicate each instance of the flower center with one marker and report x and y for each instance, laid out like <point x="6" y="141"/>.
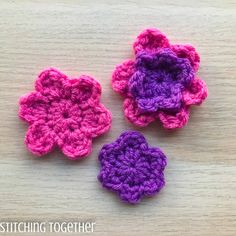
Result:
<point x="159" y="80"/>
<point x="65" y="114"/>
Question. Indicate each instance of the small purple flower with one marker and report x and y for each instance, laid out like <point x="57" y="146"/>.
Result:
<point x="131" y="168"/>
<point x="159" y="80"/>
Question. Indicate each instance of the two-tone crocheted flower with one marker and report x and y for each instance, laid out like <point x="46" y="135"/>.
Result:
<point x="65" y="113"/>
<point x="131" y="168"/>
<point x="160" y="82"/>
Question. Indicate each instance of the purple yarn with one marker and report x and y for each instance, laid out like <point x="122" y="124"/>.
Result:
<point x="159" y="80"/>
<point x="131" y="168"/>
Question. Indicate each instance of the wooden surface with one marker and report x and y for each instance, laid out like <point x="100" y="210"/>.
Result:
<point x="92" y="37"/>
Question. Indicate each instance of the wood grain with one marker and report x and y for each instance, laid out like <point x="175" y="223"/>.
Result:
<point x="92" y="37"/>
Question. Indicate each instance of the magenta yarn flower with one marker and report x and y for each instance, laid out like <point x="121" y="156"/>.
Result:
<point x="63" y="112"/>
<point x="161" y="82"/>
<point x="131" y="168"/>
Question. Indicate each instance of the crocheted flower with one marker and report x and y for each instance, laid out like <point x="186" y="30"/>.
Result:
<point x="63" y="112"/>
<point x="131" y="168"/>
<point x="161" y="82"/>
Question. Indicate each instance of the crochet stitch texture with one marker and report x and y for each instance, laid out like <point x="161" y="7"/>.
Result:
<point x="131" y="168"/>
<point x="63" y="112"/>
<point x="161" y="82"/>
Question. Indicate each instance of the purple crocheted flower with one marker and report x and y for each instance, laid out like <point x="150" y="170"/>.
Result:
<point x="159" y="80"/>
<point x="131" y="168"/>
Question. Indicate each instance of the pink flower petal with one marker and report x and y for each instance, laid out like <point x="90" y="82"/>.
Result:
<point x="121" y="76"/>
<point x="96" y="121"/>
<point x="150" y="39"/>
<point x="85" y="89"/>
<point x="51" y="83"/>
<point x="196" y="94"/>
<point x="133" y="114"/>
<point x="33" y="107"/>
<point x="189" y="52"/>
<point x="40" y="139"/>
<point x="177" y="120"/>
<point x="74" y="144"/>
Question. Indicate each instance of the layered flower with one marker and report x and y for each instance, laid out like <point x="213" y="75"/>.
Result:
<point x="160" y="82"/>
<point x="63" y="112"/>
<point x="131" y="168"/>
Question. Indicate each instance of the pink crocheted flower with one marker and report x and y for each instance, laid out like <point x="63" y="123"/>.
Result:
<point x="161" y="82"/>
<point x="63" y="112"/>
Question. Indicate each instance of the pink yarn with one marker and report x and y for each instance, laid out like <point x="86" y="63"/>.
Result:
<point x="151" y="42"/>
<point x="63" y="112"/>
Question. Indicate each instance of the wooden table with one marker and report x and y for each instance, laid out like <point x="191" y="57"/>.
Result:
<point x="92" y="37"/>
